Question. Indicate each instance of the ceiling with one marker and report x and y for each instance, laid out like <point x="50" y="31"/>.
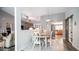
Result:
<point x="40" y="11"/>
<point x="9" y="10"/>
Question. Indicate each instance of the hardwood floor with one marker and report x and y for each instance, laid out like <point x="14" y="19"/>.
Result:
<point x="69" y="47"/>
<point x="61" y="45"/>
<point x="57" y="44"/>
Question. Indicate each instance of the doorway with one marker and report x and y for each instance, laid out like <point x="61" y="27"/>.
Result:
<point x="69" y="29"/>
<point x="57" y="29"/>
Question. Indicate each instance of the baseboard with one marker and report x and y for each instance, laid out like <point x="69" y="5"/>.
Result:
<point x="70" y="45"/>
<point x="75" y="48"/>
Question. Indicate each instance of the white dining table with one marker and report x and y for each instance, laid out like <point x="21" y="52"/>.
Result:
<point x="44" y="37"/>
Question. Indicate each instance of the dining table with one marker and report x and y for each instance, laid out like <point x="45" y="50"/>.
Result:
<point x="44" y="36"/>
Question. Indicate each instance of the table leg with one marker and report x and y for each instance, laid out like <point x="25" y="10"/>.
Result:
<point x="45" y="42"/>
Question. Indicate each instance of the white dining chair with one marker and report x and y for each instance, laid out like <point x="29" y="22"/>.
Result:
<point x="36" y="40"/>
<point x="9" y="40"/>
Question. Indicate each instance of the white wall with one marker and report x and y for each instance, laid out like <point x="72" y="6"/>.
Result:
<point x="54" y="17"/>
<point x="75" y="12"/>
<point x="23" y="36"/>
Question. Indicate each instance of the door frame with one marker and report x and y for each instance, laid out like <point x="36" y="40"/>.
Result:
<point x="67" y="29"/>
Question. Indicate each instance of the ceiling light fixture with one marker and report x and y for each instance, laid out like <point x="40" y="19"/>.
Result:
<point x="48" y="20"/>
<point x="24" y="16"/>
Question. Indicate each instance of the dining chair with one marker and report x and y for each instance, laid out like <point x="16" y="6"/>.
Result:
<point x="8" y="41"/>
<point x="36" y="40"/>
<point x="1" y="43"/>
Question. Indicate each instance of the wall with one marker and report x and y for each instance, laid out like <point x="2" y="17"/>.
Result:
<point x="6" y="18"/>
<point x="54" y="17"/>
<point x="75" y="12"/>
<point x="23" y="36"/>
